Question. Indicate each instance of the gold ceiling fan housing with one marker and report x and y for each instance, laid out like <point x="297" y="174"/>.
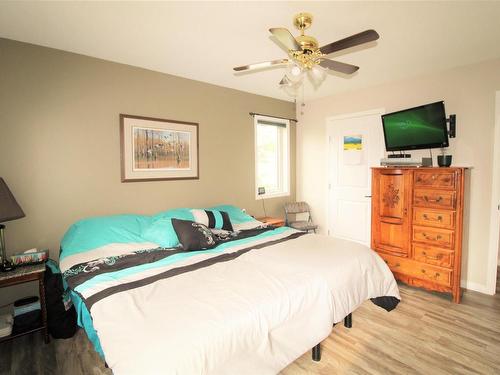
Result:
<point x="303" y="21"/>
<point x="309" y="54"/>
<point x="304" y="51"/>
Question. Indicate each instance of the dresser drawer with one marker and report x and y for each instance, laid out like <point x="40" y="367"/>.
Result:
<point x="434" y="236"/>
<point x="433" y="255"/>
<point x="418" y="270"/>
<point x="437" y="179"/>
<point x="430" y="273"/>
<point x="434" y="218"/>
<point x="434" y="198"/>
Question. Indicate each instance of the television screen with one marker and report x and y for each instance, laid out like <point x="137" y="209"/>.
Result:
<point x="416" y="128"/>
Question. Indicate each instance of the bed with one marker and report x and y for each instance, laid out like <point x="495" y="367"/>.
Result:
<point x="254" y="303"/>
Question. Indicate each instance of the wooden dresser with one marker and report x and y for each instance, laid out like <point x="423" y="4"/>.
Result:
<point x="417" y="225"/>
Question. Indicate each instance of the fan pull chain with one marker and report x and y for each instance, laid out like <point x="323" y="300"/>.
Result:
<point x="303" y="104"/>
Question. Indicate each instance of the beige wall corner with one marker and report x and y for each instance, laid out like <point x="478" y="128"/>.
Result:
<point x="495" y="204"/>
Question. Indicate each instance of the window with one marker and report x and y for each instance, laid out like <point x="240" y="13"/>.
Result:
<point x="272" y="156"/>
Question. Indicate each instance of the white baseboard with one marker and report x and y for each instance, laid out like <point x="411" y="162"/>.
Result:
<point x="481" y="288"/>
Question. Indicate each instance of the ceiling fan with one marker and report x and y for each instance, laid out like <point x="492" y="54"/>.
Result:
<point x="305" y="55"/>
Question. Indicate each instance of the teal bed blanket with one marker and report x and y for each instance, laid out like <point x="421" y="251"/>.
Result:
<point x="102" y="250"/>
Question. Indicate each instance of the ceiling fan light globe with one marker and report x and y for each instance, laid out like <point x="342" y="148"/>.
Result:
<point x="290" y="90"/>
<point x="295" y="70"/>
<point x="316" y="76"/>
<point x="318" y="73"/>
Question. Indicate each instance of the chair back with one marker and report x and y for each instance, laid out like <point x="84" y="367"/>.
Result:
<point x="296" y="208"/>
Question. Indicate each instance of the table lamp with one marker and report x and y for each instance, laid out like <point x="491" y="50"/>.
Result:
<point x="9" y="210"/>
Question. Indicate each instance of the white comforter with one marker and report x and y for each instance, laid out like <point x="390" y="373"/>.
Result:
<point x="252" y="315"/>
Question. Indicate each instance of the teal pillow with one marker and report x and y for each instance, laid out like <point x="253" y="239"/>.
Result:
<point x="161" y="231"/>
<point x="236" y="215"/>
<point x="178" y="213"/>
<point x="95" y="232"/>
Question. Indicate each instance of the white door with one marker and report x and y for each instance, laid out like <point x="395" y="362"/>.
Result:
<point x="355" y="143"/>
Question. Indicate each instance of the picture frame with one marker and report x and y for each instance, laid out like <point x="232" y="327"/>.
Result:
<point x="155" y="149"/>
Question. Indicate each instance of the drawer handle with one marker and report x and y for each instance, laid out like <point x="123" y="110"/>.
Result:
<point x="435" y="277"/>
<point x="394" y="266"/>
<point x="427" y="237"/>
<point x="437" y="257"/>
<point x="431" y="200"/>
<point x="438" y="218"/>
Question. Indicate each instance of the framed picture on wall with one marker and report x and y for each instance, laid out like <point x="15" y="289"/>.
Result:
<point x="158" y="149"/>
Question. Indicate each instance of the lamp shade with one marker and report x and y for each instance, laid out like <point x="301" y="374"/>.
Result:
<point x="9" y="208"/>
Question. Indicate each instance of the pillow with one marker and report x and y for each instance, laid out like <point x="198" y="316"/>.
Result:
<point x="161" y="231"/>
<point x="178" y="213"/>
<point x="236" y="214"/>
<point x="213" y="219"/>
<point x="239" y="219"/>
<point x="193" y="236"/>
<point x="94" y="232"/>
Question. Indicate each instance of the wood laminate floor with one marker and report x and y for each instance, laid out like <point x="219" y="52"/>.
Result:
<point x="426" y="334"/>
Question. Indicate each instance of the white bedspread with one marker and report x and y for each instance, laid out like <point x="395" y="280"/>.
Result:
<point x="252" y="315"/>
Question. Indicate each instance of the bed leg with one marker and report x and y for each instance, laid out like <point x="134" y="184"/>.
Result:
<point x="316" y="353"/>
<point x="348" y="321"/>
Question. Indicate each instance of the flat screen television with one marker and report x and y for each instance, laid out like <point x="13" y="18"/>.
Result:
<point x="416" y="128"/>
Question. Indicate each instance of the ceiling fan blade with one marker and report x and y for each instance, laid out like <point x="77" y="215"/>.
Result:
<point x="285" y="38"/>
<point x="339" y="66"/>
<point x="351" y="41"/>
<point x="261" y="65"/>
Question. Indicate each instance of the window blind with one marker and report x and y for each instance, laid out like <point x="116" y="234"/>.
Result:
<point x="271" y="123"/>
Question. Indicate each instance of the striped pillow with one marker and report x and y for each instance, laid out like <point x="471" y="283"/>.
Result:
<point x="213" y="219"/>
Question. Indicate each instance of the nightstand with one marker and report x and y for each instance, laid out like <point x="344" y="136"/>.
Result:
<point x="274" y="221"/>
<point x="24" y="274"/>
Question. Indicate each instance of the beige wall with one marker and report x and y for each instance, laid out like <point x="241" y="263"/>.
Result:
<point x="60" y="150"/>
<point x="469" y="92"/>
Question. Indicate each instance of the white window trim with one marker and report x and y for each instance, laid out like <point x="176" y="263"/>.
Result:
<point x="285" y="163"/>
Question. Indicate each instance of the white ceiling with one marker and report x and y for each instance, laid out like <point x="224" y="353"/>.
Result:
<point x="205" y="40"/>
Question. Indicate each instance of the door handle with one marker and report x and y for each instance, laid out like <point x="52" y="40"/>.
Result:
<point x="368" y="196"/>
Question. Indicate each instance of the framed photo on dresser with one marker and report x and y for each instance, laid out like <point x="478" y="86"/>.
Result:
<point x="158" y="149"/>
